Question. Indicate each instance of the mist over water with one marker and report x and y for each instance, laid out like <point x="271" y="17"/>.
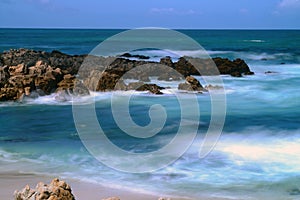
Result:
<point x="258" y="151"/>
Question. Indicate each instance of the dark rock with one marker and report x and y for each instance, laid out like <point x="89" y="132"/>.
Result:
<point x="128" y="55"/>
<point x="191" y="84"/>
<point x="140" y="86"/>
<point x="107" y="82"/>
<point x="294" y="191"/>
<point x="236" y="74"/>
<point x="270" y="72"/>
<point x="167" y="61"/>
<point x="26" y="72"/>
<point x="185" y="68"/>
<point x="249" y="73"/>
<point x="234" y="68"/>
<point x="153" y="88"/>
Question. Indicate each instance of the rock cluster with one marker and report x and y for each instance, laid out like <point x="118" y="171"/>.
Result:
<point x="56" y="190"/>
<point x="32" y="73"/>
<point x="26" y="72"/>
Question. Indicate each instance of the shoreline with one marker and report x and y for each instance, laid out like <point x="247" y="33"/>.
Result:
<point x="82" y="190"/>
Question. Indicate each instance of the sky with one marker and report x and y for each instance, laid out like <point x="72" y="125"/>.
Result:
<point x="175" y="14"/>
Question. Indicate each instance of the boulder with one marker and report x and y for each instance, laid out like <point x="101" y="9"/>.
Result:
<point x="153" y="88"/>
<point x="234" y="68"/>
<point x="191" y="84"/>
<point x="56" y="190"/>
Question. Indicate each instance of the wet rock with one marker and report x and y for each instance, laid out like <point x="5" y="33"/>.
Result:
<point x="185" y="68"/>
<point x="235" y="68"/>
<point x="153" y="88"/>
<point x="107" y="82"/>
<point x="141" y="86"/>
<point x="128" y="55"/>
<point x="236" y="74"/>
<point x="191" y="84"/>
<point x="270" y="72"/>
<point x="167" y="61"/>
<point x="294" y="191"/>
<point x="56" y="190"/>
<point x="27" y="73"/>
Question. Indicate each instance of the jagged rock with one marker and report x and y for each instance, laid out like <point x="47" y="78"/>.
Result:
<point x="56" y="190"/>
<point x="26" y="72"/>
<point x="234" y="68"/>
<point x="167" y="61"/>
<point x="153" y="88"/>
<point x="107" y="81"/>
<point x="191" y="84"/>
<point x="184" y="67"/>
<point x="141" y="86"/>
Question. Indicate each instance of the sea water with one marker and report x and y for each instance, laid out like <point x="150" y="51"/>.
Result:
<point x="256" y="157"/>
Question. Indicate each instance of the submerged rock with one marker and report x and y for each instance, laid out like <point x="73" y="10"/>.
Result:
<point x="294" y="191"/>
<point x="56" y="190"/>
<point x="128" y="55"/>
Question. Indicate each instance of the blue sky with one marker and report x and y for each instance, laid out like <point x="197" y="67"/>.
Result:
<point x="201" y="14"/>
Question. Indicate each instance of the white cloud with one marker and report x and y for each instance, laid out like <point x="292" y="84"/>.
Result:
<point x="289" y="3"/>
<point x="172" y="11"/>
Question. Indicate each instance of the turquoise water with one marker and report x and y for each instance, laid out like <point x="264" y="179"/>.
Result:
<point x="257" y="156"/>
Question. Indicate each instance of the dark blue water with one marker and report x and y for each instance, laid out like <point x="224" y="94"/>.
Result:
<point x="258" y="152"/>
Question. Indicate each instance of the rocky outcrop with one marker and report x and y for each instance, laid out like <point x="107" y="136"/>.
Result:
<point x="56" y="190"/>
<point x="30" y="73"/>
<point x="234" y="68"/>
<point x="26" y="71"/>
<point x="191" y="84"/>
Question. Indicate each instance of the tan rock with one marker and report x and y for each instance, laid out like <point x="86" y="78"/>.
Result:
<point x="56" y="190"/>
<point x="112" y="198"/>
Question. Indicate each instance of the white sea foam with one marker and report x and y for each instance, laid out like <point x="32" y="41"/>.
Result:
<point x="255" y="41"/>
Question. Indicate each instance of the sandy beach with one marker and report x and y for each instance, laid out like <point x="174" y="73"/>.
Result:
<point x="81" y="190"/>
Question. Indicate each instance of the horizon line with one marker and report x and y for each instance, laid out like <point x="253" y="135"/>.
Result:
<point x="124" y="28"/>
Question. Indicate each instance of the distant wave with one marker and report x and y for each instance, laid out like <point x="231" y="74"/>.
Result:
<point x="256" y="41"/>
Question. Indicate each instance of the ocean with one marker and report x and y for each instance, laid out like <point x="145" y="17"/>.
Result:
<point x="256" y="156"/>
